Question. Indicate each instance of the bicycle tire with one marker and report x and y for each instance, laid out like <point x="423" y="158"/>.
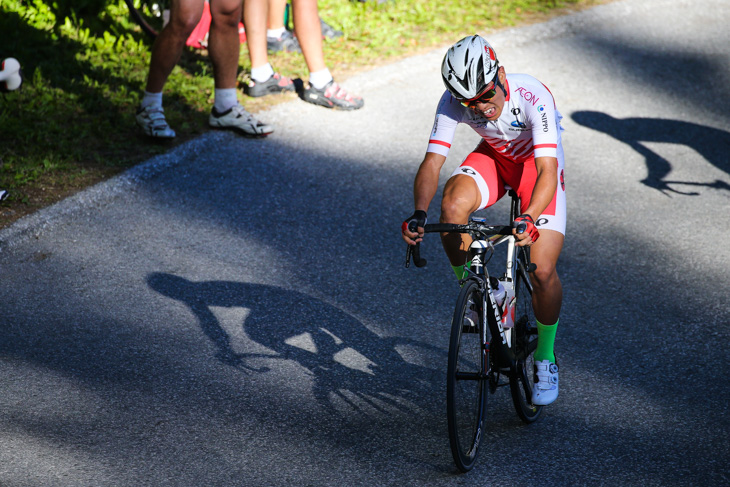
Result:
<point x="466" y="387"/>
<point x="524" y="342"/>
<point x="147" y="15"/>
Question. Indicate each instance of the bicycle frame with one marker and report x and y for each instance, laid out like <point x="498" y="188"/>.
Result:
<point x="486" y="239"/>
<point x="494" y="317"/>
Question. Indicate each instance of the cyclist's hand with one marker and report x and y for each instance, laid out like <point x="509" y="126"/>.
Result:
<point x="412" y="228"/>
<point x="525" y="231"/>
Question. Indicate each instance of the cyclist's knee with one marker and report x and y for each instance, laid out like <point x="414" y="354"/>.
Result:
<point x="455" y="210"/>
<point x="545" y="275"/>
<point x="461" y="198"/>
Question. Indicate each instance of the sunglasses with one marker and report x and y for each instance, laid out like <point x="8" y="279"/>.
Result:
<point x="484" y="97"/>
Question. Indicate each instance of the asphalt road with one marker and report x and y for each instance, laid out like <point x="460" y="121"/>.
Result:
<point x="236" y="312"/>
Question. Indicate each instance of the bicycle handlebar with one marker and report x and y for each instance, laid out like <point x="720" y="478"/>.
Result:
<point x="471" y="227"/>
<point x="414" y="251"/>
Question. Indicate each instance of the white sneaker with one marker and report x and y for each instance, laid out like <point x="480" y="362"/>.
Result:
<point x="239" y="120"/>
<point x="546" y="386"/>
<point x="153" y="123"/>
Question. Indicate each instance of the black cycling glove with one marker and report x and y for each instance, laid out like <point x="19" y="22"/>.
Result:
<point x="418" y="219"/>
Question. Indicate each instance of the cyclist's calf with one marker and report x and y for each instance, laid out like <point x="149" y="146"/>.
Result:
<point x="547" y="288"/>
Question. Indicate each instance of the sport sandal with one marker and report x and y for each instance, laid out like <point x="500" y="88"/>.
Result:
<point x="332" y="96"/>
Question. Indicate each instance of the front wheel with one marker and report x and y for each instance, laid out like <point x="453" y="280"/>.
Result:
<point x="524" y="342"/>
<point x="466" y="386"/>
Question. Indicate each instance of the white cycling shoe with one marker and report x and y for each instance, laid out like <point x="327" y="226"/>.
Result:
<point x="152" y="121"/>
<point x="546" y="385"/>
<point x="239" y="120"/>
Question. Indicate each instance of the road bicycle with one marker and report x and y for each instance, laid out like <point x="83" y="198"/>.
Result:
<point x="493" y="332"/>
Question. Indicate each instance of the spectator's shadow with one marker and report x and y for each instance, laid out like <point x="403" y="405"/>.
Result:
<point x="351" y="365"/>
<point x="713" y="144"/>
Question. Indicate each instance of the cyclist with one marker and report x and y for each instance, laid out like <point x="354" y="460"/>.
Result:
<point x="521" y="147"/>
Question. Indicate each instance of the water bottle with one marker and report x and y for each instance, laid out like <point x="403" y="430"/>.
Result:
<point x="508" y="305"/>
<point x="498" y="291"/>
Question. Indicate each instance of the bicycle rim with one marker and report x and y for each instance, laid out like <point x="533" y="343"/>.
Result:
<point x="148" y="15"/>
<point x="466" y="378"/>
<point x="524" y="342"/>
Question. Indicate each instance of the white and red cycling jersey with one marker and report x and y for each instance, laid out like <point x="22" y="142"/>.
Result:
<point x="528" y="127"/>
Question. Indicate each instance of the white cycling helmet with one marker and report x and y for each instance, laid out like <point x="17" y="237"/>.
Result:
<point x="468" y="67"/>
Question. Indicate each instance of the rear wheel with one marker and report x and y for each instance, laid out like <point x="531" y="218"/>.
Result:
<point x="524" y="342"/>
<point x="466" y="387"/>
<point x="149" y="14"/>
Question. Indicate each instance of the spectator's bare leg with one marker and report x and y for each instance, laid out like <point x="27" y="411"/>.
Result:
<point x="169" y="44"/>
<point x="223" y="41"/>
<point x="309" y="33"/>
<point x="254" y="20"/>
<point x="276" y="14"/>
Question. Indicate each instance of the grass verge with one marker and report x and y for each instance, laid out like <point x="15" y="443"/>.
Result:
<point x="72" y="122"/>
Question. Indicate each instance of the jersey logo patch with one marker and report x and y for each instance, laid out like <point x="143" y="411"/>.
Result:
<point x="518" y="121"/>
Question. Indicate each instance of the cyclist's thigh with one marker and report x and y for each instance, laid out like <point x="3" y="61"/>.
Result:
<point x="461" y="199"/>
<point x="545" y="252"/>
<point x="482" y="169"/>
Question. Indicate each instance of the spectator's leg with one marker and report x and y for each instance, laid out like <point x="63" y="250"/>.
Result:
<point x="254" y="20"/>
<point x="223" y="41"/>
<point x="309" y="33"/>
<point x="276" y="14"/>
<point x="169" y="44"/>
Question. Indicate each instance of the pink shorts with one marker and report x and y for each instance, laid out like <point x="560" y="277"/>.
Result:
<point x="492" y="172"/>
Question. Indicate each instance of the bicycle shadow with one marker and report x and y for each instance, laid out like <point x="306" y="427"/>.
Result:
<point x="713" y="144"/>
<point x="332" y="345"/>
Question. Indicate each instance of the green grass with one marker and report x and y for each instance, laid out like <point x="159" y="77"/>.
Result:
<point x="72" y="122"/>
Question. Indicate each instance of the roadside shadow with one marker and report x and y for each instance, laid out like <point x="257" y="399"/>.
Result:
<point x="713" y="144"/>
<point x="352" y="367"/>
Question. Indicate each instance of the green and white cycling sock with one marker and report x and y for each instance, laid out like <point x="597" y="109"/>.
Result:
<point x="545" y="341"/>
<point x="460" y="270"/>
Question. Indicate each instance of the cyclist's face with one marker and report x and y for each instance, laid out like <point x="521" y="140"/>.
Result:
<point x="491" y="109"/>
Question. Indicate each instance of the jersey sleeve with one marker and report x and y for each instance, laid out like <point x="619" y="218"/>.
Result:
<point x="544" y="120"/>
<point x="444" y="126"/>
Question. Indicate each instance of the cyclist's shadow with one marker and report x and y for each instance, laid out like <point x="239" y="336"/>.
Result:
<point x="713" y="144"/>
<point x="352" y="366"/>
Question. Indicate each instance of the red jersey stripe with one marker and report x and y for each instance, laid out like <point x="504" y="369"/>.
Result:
<point x="440" y="142"/>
